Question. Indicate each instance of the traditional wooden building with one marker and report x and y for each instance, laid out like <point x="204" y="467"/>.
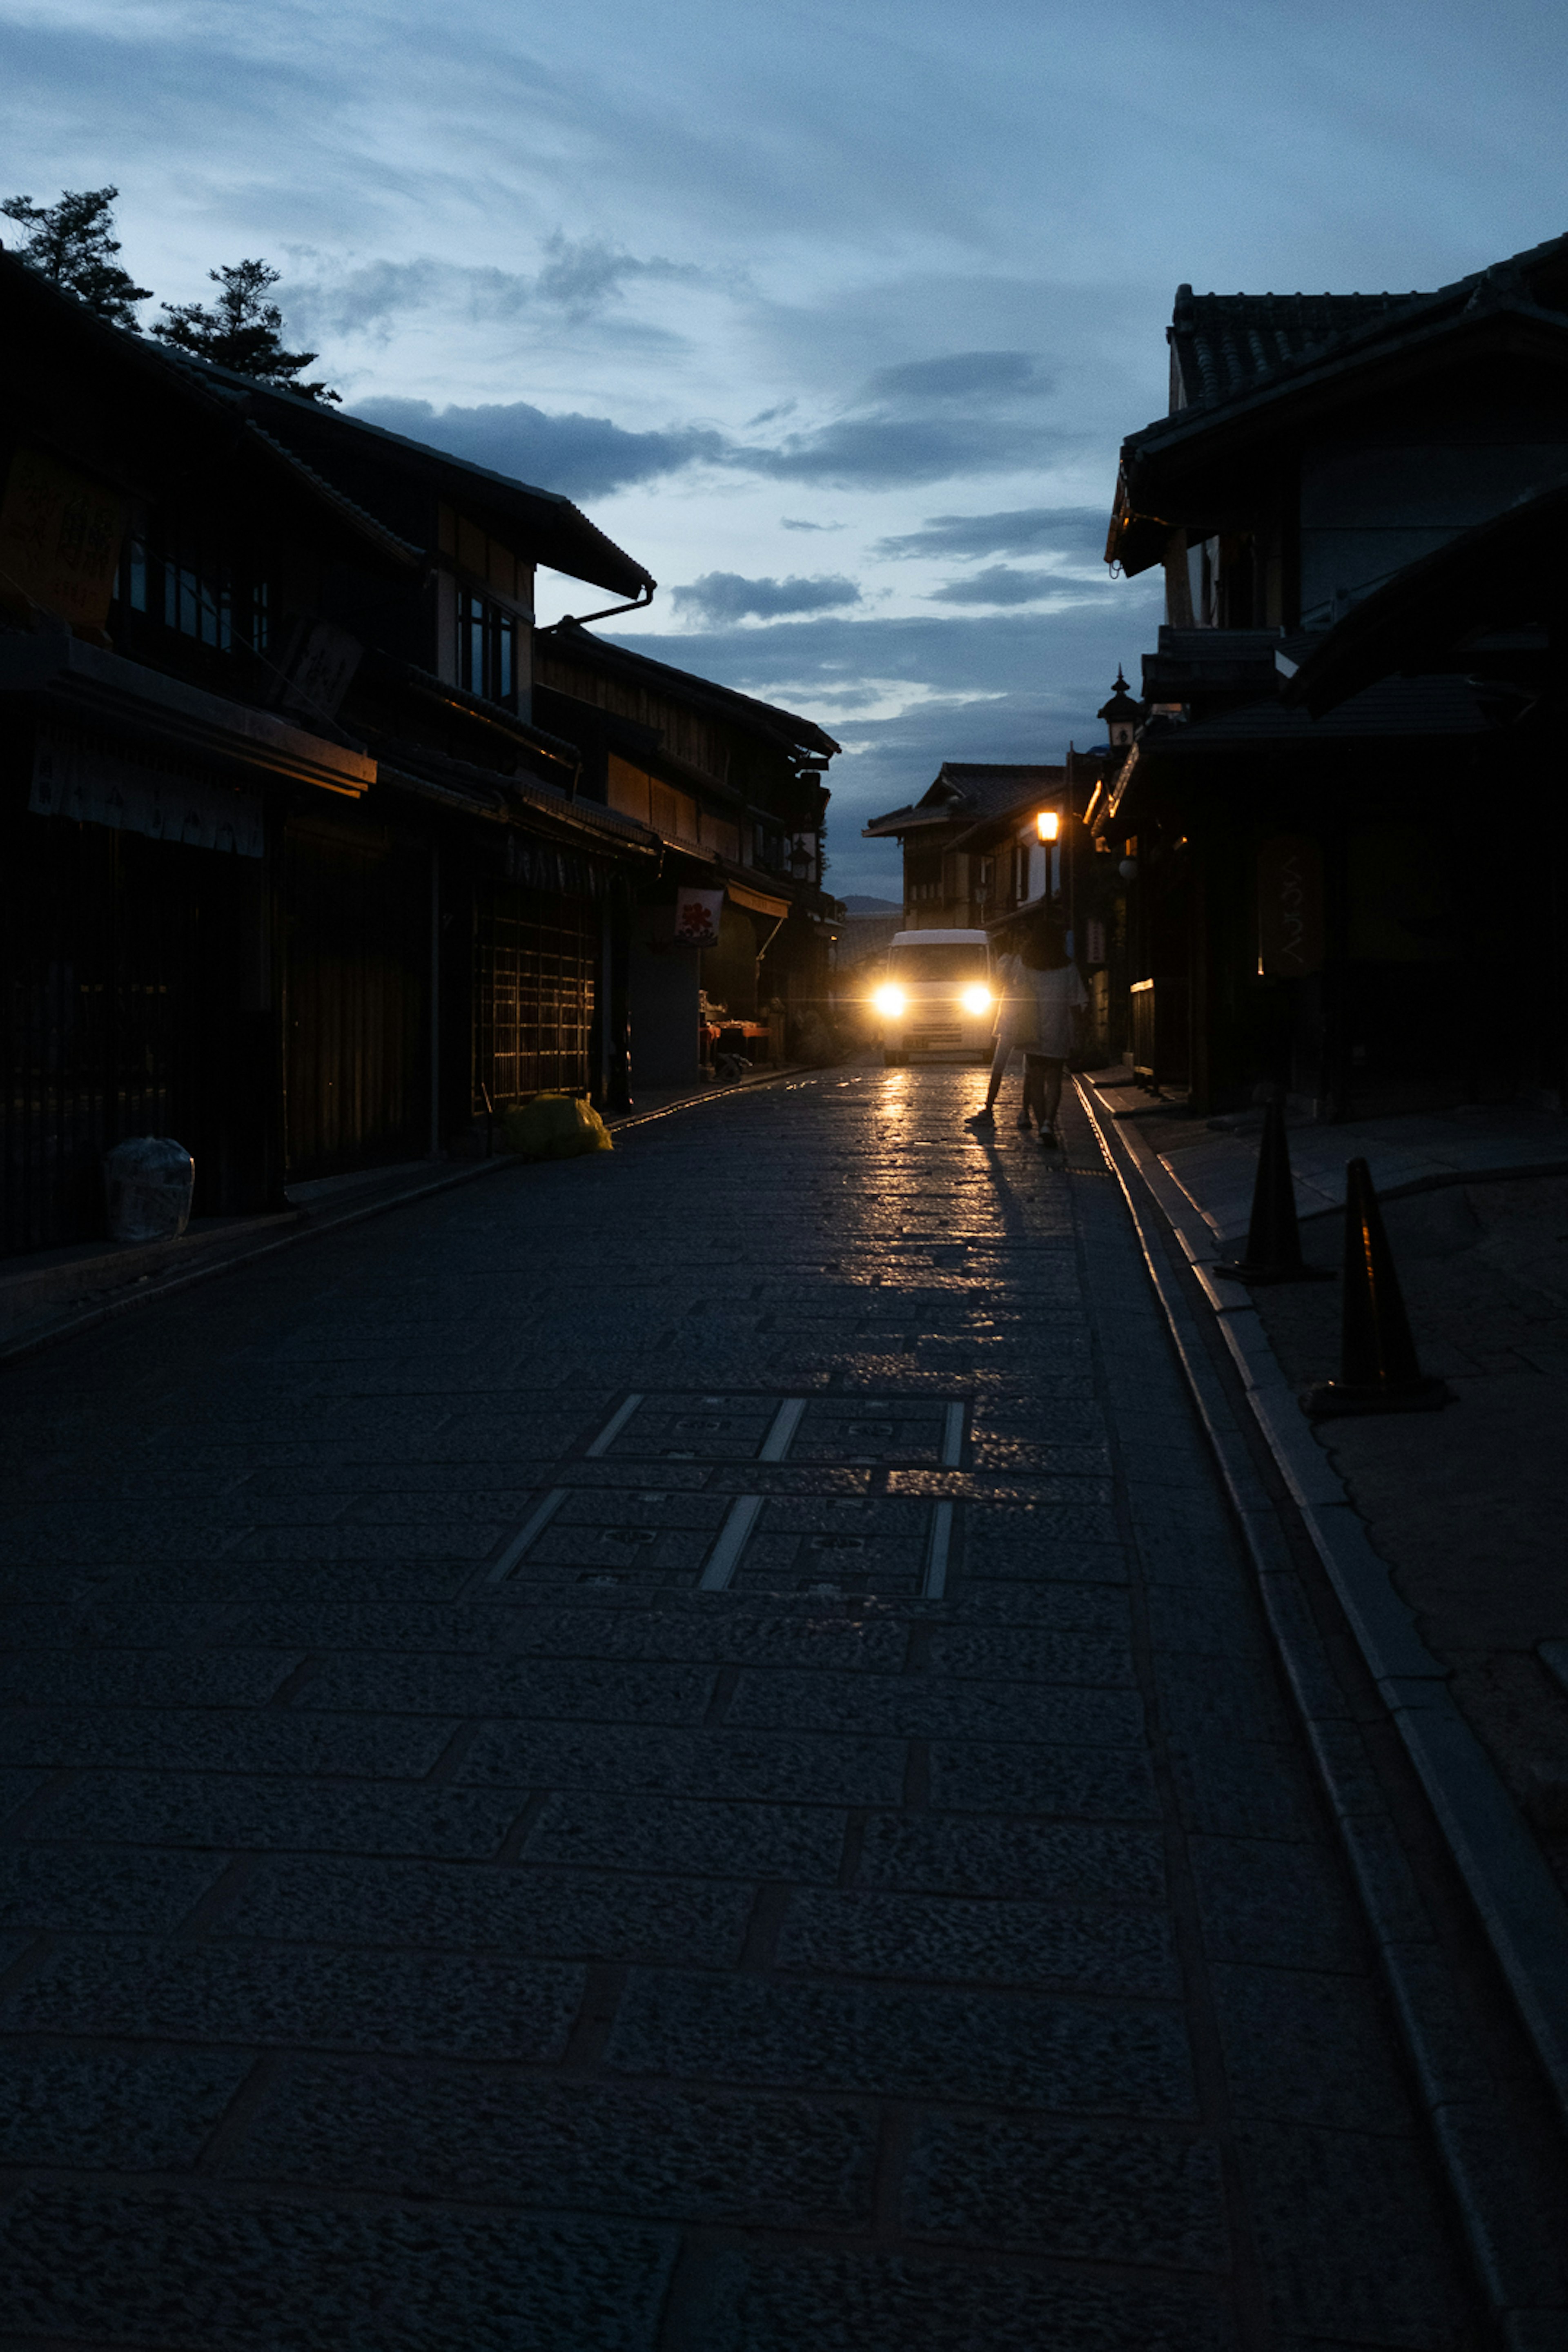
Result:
<point x="286" y="868"/>
<point x="733" y="789"/>
<point x="1324" y="900"/>
<point x="973" y="846"/>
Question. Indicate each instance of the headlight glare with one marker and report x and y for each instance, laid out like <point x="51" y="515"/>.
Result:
<point x="889" y="1000"/>
<point x="976" y="999"/>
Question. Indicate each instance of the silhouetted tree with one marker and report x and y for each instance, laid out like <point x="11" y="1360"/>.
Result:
<point x="242" y="329"/>
<point x="72" y="242"/>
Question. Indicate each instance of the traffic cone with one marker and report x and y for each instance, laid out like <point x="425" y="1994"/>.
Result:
<point x="1273" y="1238"/>
<point x="1379" y="1372"/>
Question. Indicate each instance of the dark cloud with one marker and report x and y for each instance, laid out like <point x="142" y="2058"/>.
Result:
<point x="583" y="276"/>
<point x="883" y="451"/>
<point x="792" y="522"/>
<point x="1078" y="532"/>
<point x="586" y="457"/>
<point x="719" y="597"/>
<point x="375" y="296"/>
<point x="999" y="584"/>
<point x="921" y="421"/>
<point x="958" y="375"/>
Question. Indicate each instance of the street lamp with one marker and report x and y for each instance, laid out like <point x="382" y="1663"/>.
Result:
<point x="1047" y="823"/>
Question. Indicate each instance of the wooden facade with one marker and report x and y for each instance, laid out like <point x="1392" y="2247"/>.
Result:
<point x="286" y="871"/>
<point x="734" y="788"/>
<point x="1320" y="897"/>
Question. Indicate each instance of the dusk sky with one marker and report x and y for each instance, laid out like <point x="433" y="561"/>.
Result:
<point x="834" y="316"/>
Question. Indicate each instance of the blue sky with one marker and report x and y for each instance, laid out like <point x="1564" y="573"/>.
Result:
<point x="835" y="316"/>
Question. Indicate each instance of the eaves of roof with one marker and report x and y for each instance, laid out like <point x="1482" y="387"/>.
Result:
<point x="909" y="820"/>
<point x="492" y="715"/>
<point x="94" y="685"/>
<point x="554" y="531"/>
<point x="480" y="792"/>
<point x="1386" y="711"/>
<point x="578" y="644"/>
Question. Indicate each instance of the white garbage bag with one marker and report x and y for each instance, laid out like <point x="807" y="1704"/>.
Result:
<point x="148" y="1180"/>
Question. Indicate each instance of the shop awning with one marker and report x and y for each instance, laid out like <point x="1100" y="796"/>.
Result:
<point x="758" y="901"/>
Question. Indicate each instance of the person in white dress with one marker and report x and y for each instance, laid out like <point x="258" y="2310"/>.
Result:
<point x="1056" y="984"/>
<point x="1014" y="1028"/>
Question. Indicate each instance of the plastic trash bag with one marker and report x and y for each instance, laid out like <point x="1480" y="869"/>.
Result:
<point x="148" y="1180"/>
<point x="553" y="1127"/>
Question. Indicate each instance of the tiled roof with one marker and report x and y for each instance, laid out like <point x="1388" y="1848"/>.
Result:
<point x="966" y="791"/>
<point x="1227" y="343"/>
<point x="990" y="788"/>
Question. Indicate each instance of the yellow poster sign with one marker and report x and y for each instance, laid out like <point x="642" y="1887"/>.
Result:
<point x="59" y="539"/>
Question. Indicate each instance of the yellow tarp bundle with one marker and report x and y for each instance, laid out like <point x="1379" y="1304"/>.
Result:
<point x="553" y="1127"/>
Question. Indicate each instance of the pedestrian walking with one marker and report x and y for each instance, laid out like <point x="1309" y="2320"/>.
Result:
<point x="1056" y="984"/>
<point x="1013" y="1028"/>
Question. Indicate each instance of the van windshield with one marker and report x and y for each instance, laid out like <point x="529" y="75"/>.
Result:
<point x="951" y="960"/>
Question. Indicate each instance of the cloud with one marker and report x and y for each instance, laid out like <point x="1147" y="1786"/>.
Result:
<point x="790" y="522"/>
<point x="374" y="297"/>
<point x="958" y="375"/>
<point x="586" y="457"/>
<point x="371" y="297"/>
<point x="581" y="277"/>
<point x="999" y="584"/>
<point x="921" y="421"/>
<point x="719" y="597"/>
<point x="1078" y="532"/>
<point x="883" y="451"/>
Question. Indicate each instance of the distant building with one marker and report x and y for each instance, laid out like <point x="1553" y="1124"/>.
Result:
<point x="972" y="846"/>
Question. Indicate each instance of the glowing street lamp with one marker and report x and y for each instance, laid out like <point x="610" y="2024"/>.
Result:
<point x="1047" y="823"/>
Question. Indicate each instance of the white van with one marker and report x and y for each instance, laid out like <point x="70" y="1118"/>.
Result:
<point x="937" y="995"/>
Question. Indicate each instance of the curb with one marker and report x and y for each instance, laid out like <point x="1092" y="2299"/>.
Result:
<point x="1521" y="1912"/>
<point x="635" y="1118"/>
<point x="304" y="1225"/>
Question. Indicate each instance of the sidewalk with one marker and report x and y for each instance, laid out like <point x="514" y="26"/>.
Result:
<point x="1215" y="1162"/>
<point x="48" y="1294"/>
<point x="1465" y="1506"/>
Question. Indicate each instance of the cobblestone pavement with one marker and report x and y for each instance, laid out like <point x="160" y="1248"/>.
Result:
<point x="674" y="1751"/>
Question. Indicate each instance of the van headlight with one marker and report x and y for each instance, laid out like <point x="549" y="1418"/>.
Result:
<point x="976" y="999"/>
<point x="890" y="1002"/>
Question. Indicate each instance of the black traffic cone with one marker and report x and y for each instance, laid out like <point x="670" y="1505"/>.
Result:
<point x="1378" y="1368"/>
<point x="1273" y="1251"/>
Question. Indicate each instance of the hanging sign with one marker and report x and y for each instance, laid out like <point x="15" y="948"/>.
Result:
<point x="697" y="914"/>
<point x="59" y="539"/>
<point x="1289" y="907"/>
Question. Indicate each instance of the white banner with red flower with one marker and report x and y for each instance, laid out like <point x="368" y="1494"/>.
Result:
<point x="697" y="914"/>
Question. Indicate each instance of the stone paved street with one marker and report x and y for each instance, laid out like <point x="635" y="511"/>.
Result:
<point x="675" y="1752"/>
